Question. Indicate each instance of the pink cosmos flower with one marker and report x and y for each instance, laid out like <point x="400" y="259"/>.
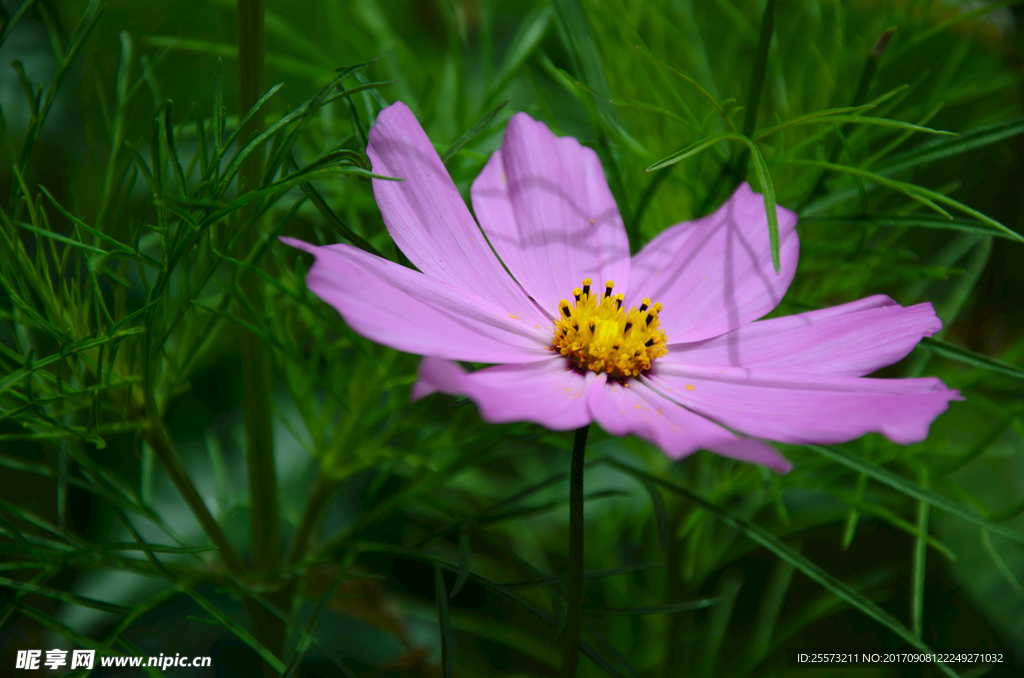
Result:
<point x="571" y="327"/>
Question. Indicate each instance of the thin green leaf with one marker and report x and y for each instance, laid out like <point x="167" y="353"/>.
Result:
<point x="693" y="83"/>
<point x="979" y="449"/>
<point x="853" y="516"/>
<point x="808" y="117"/>
<point x="60" y="629"/>
<point x="670" y="608"/>
<point x="946" y="200"/>
<point x="759" y="72"/>
<point x="772" y="601"/>
<point x="589" y="574"/>
<point x="468" y="135"/>
<point x="910" y="190"/>
<point x="760" y="167"/>
<point x="857" y="119"/>
<point x="911" y="489"/>
<point x="920" y="561"/>
<point x="463" y="575"/>
<point x="234" y="628"/>
<point x="65" y="597"/>
<point x="250" y="114"/>
<point x="155" y="548"/>
<point x="653" y="108"/>
<point x="11" y="21"/>
<point x="172" y="149"/>
<point x="532" y="29"/>
<point x="448" y="649"/>
<point x="660" y="513"/>
<point x="66" y="240"/>
<point x="218" y="111"/>
<point x="283" y="64"/>
<point x="947" y="148"/>
<point x="893" y="220"/>
<point x="762" y="537"/>
<point x="71" y="349"/>
<point x="954" y="19"/>
<point x="969" y="357"/>
<point x="330" y="215"/>
<point x="314" y="623"/>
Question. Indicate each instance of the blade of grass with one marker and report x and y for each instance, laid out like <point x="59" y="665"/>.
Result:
<point x="920" y="560"/>
<point x="941" y="149"/>
<point x="670" y="608"/>
<point x="969" y="357"/>
<point x="760" y="166"/>
<point x="762" y="537"/>
<point x="911" y="489"/>
<point x="463" y="575"/>
<point x="235" y="629"/>
<point x="468" y="135"/>
<point x="693" y="83"/>
<point x="589" y="574"/>
<point x="893" y="220"/>
<point x="660" y="513"/>
<point x="444" y="623"/>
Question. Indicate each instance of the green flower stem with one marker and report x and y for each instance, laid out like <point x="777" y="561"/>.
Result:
<point x="574" y="616"/>
<point x="323" y="488"/>
<point x="257" y="375"/>
<point x="159" y="441"/>
<point x="264" y="533"/>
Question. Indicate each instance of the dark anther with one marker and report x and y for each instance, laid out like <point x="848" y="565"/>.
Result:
<point x="586" y="290"/>
<point x="577" y="298"/>
<point x="607" y="291"/>
<point x="649" y="342"/>
<point x="643" y="307"/>
<point x="565" y="311"/>
<point x="650" y="317"/>
<point x="628" y="325"/>
<point x="618" y="303"/>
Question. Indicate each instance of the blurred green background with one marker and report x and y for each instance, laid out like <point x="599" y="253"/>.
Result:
<point x="399" y="487"/>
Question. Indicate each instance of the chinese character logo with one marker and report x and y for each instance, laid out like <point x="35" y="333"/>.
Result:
<point x="28" y="659"/>
<point x="82" y="659"/>
<point x="56" y="658"/>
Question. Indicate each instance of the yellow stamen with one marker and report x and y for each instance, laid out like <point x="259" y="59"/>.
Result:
<point x="596" y="334"/>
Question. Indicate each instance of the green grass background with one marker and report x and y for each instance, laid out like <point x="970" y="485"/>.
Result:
<point x="132" y="272"/>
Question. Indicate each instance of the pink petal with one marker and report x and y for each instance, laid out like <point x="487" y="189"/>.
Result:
<point x="715" y="274"/>
<point x="806" y="408"/>
<point x="428" y="219"/>
<point x="852" y="339"/>
<point x="637" y="409"/>
<point x="545" y="392"/>
<point x="545" y="205"/>
<point x="412" y="312"/>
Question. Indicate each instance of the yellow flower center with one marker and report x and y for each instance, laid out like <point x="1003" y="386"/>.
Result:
<point x="595" y="333"/>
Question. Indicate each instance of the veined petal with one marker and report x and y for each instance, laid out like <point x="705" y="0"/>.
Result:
<point x="806" y="408"/>
<point x="545" y="392"/>
<point x="715" y="274"/>
<point x="638" y="409"/>
<point x="412" y="312"/>
<point x="427" y="218"/>
<point x="545" y="205"/>
<point x="852" y="339"/>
